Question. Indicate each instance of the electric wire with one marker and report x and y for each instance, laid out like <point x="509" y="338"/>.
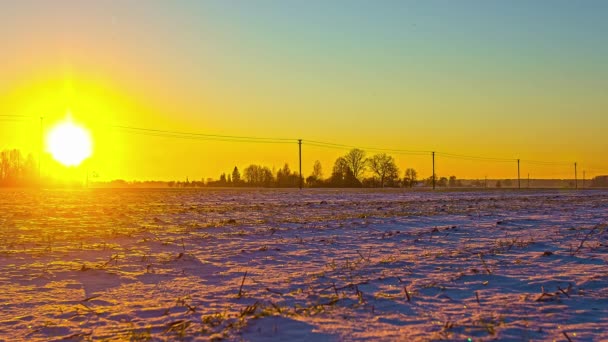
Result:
<point x="204" y="135"/>
<point x="315" y="143"/>
<point x="205" y="138"/>
<point x="475" y="158"/>
<point x="342" y="146"/>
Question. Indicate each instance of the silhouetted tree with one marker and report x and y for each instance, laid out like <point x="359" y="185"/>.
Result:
<point x="267" y="177"/>
<point x="410" y="177"/>
<point x="342" y="175"/>
<point x="316" y="177"/>
<point x="429" y="181"/>
<point x="443" y="182"/>
<point x="355" y="160"/>
<point x="236" y="176"/>
<point x="283" y="176"/>
<point x="257" y="175"/>
<point x="317" y="170"/>
<point x="385" y="168"/>
<point x="252" y="174"/>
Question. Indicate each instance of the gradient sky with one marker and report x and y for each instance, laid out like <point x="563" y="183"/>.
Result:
<point x="508" y="79"/>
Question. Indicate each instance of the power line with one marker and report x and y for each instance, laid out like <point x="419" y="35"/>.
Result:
<point x="323" y="144"/>
<point x="201" y="136"/>
<point x="189" y="137"/>
<point x="476" y="158"/>
<point x="17" y="116"/>
<point x="308" y="143"/>
<point x="596" y="171"/>
<point x="342" y="146"/>
<point x="15" y="120"/>
<point x="316" y="143"/>
<point x="547" y="163"/>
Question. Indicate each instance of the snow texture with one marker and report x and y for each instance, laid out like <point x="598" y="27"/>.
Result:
<point x="322" y="265"/>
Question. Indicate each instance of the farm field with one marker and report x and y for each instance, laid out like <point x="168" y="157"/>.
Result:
<point x="323" y="265"/>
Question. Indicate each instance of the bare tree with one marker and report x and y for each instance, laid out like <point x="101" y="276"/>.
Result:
<point x="355" y="159"/>
<point x="257" y="175"/>
<point x="384" y="167"/>
<point x="317" y="170"/>
<point x="411" y="176"/>
<point x="342" y="175"/>
<point x="286" y="178"/>
<point x="316" y="177"/>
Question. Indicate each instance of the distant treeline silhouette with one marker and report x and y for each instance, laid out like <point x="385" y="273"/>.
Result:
<point x="353" y="170"/>
<point x="348" y="172"/>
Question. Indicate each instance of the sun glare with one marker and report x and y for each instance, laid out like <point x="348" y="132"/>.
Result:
<point x="69" y="144"/>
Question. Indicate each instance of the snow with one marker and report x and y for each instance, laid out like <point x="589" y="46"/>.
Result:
<point x="323" y="265"/>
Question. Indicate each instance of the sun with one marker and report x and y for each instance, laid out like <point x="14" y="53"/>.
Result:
<point x="69" y="143"/>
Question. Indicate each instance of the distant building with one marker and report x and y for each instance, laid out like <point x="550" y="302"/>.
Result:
<point x="600" y="182"/>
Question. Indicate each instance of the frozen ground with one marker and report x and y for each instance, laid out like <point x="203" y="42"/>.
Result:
<point x="266" y="265"/>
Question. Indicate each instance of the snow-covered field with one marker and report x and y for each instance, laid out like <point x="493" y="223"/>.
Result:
<point x="312" y="265"/>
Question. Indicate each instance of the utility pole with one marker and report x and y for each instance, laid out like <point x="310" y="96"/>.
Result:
<point x="518" y="177"/>
<point x="575" y="177"/>
<point x="300" y="150"/>
<point x="433" y="171"/>
<point x="40" y="149"/>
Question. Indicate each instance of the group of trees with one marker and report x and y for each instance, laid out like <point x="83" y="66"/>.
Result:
<point x="443" y="182"/>
<point x="600" y="182"/>
<point x="230" y="179"/>
<point x="252" y="176"/>
<point x="15" y="170"/>
<point x="353" y="170"/>
<point x="350" y="171"/>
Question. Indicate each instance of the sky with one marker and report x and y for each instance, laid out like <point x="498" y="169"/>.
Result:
<point x="499" y="79"/>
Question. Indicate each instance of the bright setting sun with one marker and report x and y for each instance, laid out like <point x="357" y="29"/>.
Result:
<point x="69" y="144"/>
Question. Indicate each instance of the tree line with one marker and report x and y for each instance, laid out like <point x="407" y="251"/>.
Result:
<point x="352" y="170"/>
